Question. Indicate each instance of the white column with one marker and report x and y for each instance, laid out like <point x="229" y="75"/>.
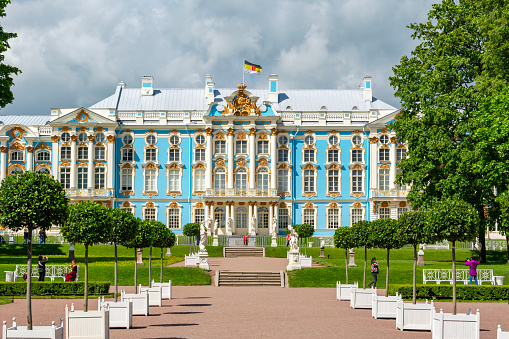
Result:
<point x="276" y="214"/>
<point x="91" y="174"/>
<point x="208" y="159"/>
<point x="271" y="215"/>
<point x="233" y="217"/>
<point x="255" y="213"/>
<point x="111" y="165"/>
<point x="230" y="158"/>
<point x="252" y="158"/>
<point x="73" y="161"/>
<point x="250" y="216"/>
<point x="227" y="216"/>
<point x="55" y="151"/>
<point x="373" y="161"/>
<point x="273" y="159"/>
<point x="3" y="162"/>
<point x="392" y="171"/>
<point x="206" y="211"/>
<point x="30" y="156"/>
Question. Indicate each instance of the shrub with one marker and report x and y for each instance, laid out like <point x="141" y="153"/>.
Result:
<point x="54" y="288"/>
<point x="464" y="292"/>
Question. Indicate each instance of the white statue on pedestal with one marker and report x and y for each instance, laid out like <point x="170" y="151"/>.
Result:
<point x="322" y="243"/>
<point x="253" y="225"/>
<point x="203" y="237"/>
<point x="293" y="239"/>
<point x="274" y="226"/>
<point x="208" y="225"/>
<point x="216" y="226"/>
<point x="229" y="223"/>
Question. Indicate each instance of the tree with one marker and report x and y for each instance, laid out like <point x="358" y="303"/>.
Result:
<point x="461" y="59"/>
<point x="343" y="239"/>
<point x="87" y="223"/>
<point x="454" y="220"/>
<point x="146" y="239"/>
<point x="412" y="231"/>
<point x="124" y="227"/>
<point x="361" y="233"/>
<point x="31" y="200"/>
<point x="191" y="229"/>
<point x="385" y="235"/>
<point x="135" y="243"/>
<point x="304" y="231"/>
<point x="503" y="225"/>
<point x="163" y="238"/>
<point x="6" y="71"/>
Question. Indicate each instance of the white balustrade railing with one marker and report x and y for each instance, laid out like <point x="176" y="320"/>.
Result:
<point x="237" y="192"/>
<point x="45" y="130"/>
<point x="288" y="116"/>
<point x="175" y="115"/>
<point x="360" y="116"/>
<point x="151" y="115"/>
<point x="127" y="115"/>
<point x="335" y="116"/>
<point x="310" y="116"/>
<point x="89" y="193"/>
<point x="376" y="193"/>
<point x="196" y="116"/>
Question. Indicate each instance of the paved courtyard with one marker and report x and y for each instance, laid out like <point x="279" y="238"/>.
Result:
<point x="255" y="312"/>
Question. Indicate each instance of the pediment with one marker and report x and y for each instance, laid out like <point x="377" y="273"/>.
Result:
<point x="82" y="116"/>
<point x="385" y="119"/>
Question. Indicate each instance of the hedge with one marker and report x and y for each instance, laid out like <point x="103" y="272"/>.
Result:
<point x="54" y="288"/>
<point x="463" y="292"/>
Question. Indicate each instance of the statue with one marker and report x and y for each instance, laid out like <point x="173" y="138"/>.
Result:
<point x="229" y="223"/>
<point x="293" y="239"/>
<point x="274" y="225"/>
<point x="322" y="243"/>
<point x="216" y="225"/>
<point x="253" y="225"/>
<point x="203" y="237"/>
<point x="208" y="225"/>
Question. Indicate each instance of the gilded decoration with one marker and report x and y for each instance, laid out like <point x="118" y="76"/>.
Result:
<point x="241" y="162"/>
<point x="241" y="203"/>
<point x="309" y="205"/>
<point x="3" y="149"/>
<point x="252" y="203"/>
<point x="208" y="131"/>
<point x="310" y="194"/>
<point x="273" y="204"/>
<point x="17" y="147"/>
<point x="309" y="147"/>
<point x="238" y="123"/>
<point x="149" y="204"/>
<point x="282" y="205"/>
<point x="273" y="131"/>
<point x="17" y="133"/>
<point x="402" y="147"/>
<point x="99" y="129"/>
<point x="263" y="162"/>
<point x="357" y="147"/>
<point x="309" y="132"/>
<point x="220" y="136"/>
<point x="373" y="140"/>
<point x="374" y="206"/>
<point x="384" y="204"/>
<point x="384" y="130"/>
<point x="100" y="164"/>
<point x="358" y="194"/>
<point x="91" y="138"/>
<point x="356" y="131"/>
<point x="151" y="167"/>
<point x="242" y="104"/>
<point x="111" y="138"/>
<point x="219" y="123"/>
<point x="74" y="138"/>
<point x="126" y="204"/>
<point x="384" y="166"/>
<point x="252" y="131"/>
<point x="42" y="146"/>
<point x="174" y="205"/>
<point x="42" y="166"/>
<point x="209" y="203"/>
<point x="311" y="167"/>
<point x="174" y="193"/>
<point x="219" y="203"/>
<point x="99" y="144"/>
<point x="150" y="194"/>
<point x="230" y="131"/>
<point x="333" y="147"/>
<point x="334" y="167"/>
<point x="65" y="164"/>
<point x="402" y="204"/>
<point x="284" y="166"/>
<point x="262" y="204"/>
<point x="30" y="149"/>
<point x="174" y="166"/>
<point x="82" y="164"/>
<point x="154" y="147"/>
<point x="66" y="144"/>
<point x="334" y="194"/>
<point x="283" y="194"/>
<point x="357" y="167"/>
<point x="55" y="138"/>
<point x="82" y="116"/>
<point x="65" y="129"/>
<point x="263" y="136"/>
<point x="333" y="205"/>
<point x="200" y="193"/>
<point x="241" y="136"/>
<point x="385" y="146"/>
<point x="83" y="144"/>
<point x="394" y="140"/>
<point x="82" y="129"/>
<point x="199" y="166"/>
<point x="201" y="147"/>
<point x="13" y="166"/>
<point x="263" y="122"/>
<point x="199" y="204"/>
<point x="219" y="162"/>
<point x="357" y="205"/>
<point x="126" y="165"/>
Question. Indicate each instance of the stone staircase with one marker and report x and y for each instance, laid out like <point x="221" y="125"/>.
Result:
<point x="237" y="278"/>
<point x="234" y="252"/>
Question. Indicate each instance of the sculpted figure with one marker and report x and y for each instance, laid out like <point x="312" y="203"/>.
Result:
<point x="229" y="225"/>
<point x="274" y="225"/>
<point x="253" y="225"/>
<point x="293" y="239"/>
<point x="322" y="243"/>
<point x="203" y="237"/>
<point x="216" y="225"/>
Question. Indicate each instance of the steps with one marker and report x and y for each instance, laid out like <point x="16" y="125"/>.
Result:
<point x="238" y="278"/>
<point x="234" y="252"/>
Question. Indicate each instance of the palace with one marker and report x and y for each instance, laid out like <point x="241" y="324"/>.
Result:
<point x="254" y="161"/>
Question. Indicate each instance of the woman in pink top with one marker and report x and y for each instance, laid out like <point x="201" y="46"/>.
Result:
<point x="473" y="269"/>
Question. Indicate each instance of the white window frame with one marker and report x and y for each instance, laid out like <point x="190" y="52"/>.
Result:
<point x="42" y="152"/>
<point x="199" y="180"/>
<point x="306" y="217"/>
<point x="82" y="178"/>
<point x="383" y="179"/>
<point x="353" y="217"/>
<point x="98" y="179"/>
<point x="242" y="178"/>
<point x="83" y="155"/>
<point x="100" y="153"/>
<point x="146" y="214"/>
<point x="122" y="175"/>
<point x="384" y="154"/>
<point x="65" y="181"/>
<point x="330" y="215"/>
<point x="65" y="153"/>
<point x="216" y="174"/>
<point x="175" y="213"/>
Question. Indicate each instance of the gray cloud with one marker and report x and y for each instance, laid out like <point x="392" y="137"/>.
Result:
<point x="74" y="53"/>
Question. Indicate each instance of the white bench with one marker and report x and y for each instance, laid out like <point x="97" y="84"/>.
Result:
<point x="191" y="260"/>
<point x="52" y="271"/>
<point x="441" y="274"/>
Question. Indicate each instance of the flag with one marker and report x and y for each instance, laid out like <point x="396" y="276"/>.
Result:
<point x="252" y="68"/>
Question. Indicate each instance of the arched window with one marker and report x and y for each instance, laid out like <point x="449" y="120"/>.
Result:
<point x="43" y="170"/>
<point x="241" y="178"/>
<point x="43" y="156"/>
<point x="220" y="216"/>
<point x="16" y="170"/>
<point x="263" y="217"/>
<point x="241" y="217"/>
<point x="263" y="178"/>
<point x="383" y="179"/>
<point x="220" y="178"/>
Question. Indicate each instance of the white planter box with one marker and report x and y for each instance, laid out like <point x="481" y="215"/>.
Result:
<point x="166" y="288"/>
<point x="140" y="302"/>
<point x="414" y="317"/>
<point x="91" y="324"/>
<point x="343" y="291"/>
<point x="361" y="297"/>
<point x="384" y="307"/>
<point x="447" y="325"/>
<point x="191" y="260"/>
<point x="121" y="313"/>
<point x="502" y="335"/>
<point x="43" y="332"/>
<point x="305" y="261"/>
<point x="155" y="295"/>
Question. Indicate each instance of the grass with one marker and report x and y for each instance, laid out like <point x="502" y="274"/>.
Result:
<point x="5" y="301"/>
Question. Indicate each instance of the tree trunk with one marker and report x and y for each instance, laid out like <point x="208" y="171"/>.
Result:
<point x="85" y="304"/>
<point x="135" y="268"/>
<point x="387" y="276"/>
<point x="507" y="240"/>
<point x="481" y="235"/>
<point x="365" y="263"/>
<point x="306" y="250"/>
<point x="150" y="266"/>
<point x="414" y="278"/>
<point x="346" y="264"/>
<point x="29" y="280"/>
<point x="116" y="274"/>
<point x="161" y="275"/>
<point x="454" y="277"/>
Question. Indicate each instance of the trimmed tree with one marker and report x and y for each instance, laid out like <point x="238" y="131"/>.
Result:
<point x="412" y="231"/>
<point x="191" y="229"/>
<point x="31" y="200"/>
<point x="361" y="233"/>
<point x="386" y="235"/>
<point x="343" y="239"/>
<point x="163" y="238"/>
<point x="124" y="227"/>
<point x="135" y="243"/>
<point x="88" y="223"/>
<point x="503" y="226"/>
<point x="146" y="235"/>
<point x="453" y="220"/>
<point x="304" y="231"/>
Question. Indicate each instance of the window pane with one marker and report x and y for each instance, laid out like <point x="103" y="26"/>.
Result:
<point x="99" y="182"/>
<point x="356" y="181"/>
<point x="333" y="218"/>
<point x="173" y="218"/>
<point x="356" y="215"/>
<point x="333" y="181"/>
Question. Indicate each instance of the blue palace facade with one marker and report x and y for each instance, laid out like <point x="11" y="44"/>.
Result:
<point x="250" y="160"/>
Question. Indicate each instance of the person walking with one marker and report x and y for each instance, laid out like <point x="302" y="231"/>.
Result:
<point x="25" y="235"/>
<point x="42" y="267"/>
<point x="374" y="271"/>
<point x="473" y="269"/>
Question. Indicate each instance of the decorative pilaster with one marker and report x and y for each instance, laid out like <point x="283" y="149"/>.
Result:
<point x="392" y="171"/>
<point x="73" y="161"/>
<point x="208" y="159"/>
<point x="3" y="162"/>
<point x="230" y="158"/>
<point x="273" y="159"/>
<point x="91" y="174"/>
<point x="252" y="158"/>
<point x="54" y="151"/>
<point x="373" y="162"/>
<point x="250" y="216"/>
<point x="30" y="158"/>
<point x="111" y="144"/>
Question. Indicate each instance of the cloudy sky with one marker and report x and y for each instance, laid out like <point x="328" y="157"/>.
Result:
<point x="74" y="53"/>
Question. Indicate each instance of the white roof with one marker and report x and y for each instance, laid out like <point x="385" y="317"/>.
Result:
<point x="26" y="120"/>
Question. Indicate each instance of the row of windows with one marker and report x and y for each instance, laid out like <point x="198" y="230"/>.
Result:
<point x="384" y="154"/>
<point x="83" y="175"/>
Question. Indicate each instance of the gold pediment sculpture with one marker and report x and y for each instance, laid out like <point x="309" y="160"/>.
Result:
<point x="242" y="104"/>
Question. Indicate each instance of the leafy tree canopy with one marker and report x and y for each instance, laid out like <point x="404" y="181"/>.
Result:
<point x="343" y="238"/>
<point x="361" y="233"/>
<point x="88" y="223"/>
<point x="191" y="229"/>
<point x="145" y="233"/>
<point x="6" y="71"/>
<point x="32" y="200"/>
<point x="304" y="230"/>
<point x="124" y="226"/>
<point x="163" y="236"/>
<point x="412" y="228"/>
<point x="385" y="234"/>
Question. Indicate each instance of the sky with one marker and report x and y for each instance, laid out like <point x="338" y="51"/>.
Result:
<point x="74" y="53"/>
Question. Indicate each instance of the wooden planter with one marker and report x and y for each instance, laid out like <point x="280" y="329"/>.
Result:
<point x="361" y="297"/>
<point x="166" y="288"/>
<point x="140" y="302"/>
<point x="121" y="313"/>
<point x="343" y="291"/>
<point x="414" y="317"/>
<point x="448" y="325"/>
<point x="155" y="295"/>
<point x="91" y="324"/>
<point x="50" y="332"/>
<point x="384" y="307"/>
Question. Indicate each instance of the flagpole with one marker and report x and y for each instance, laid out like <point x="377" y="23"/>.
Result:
<point x="243" y="66"/>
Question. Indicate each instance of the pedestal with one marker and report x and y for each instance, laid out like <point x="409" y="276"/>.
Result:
<point x="274" y="242"/>
<point x="351" y="262"/>
<point x="203" y="258"/>
<point x="71" y="253"/>
<point x="420" y="258"/>
<point x="293" y="258"/>
<point x="215" y="241"/>
<point x="322" y="255"/>
<point x="139" y="256"/>
<point x="168" y="252"/>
